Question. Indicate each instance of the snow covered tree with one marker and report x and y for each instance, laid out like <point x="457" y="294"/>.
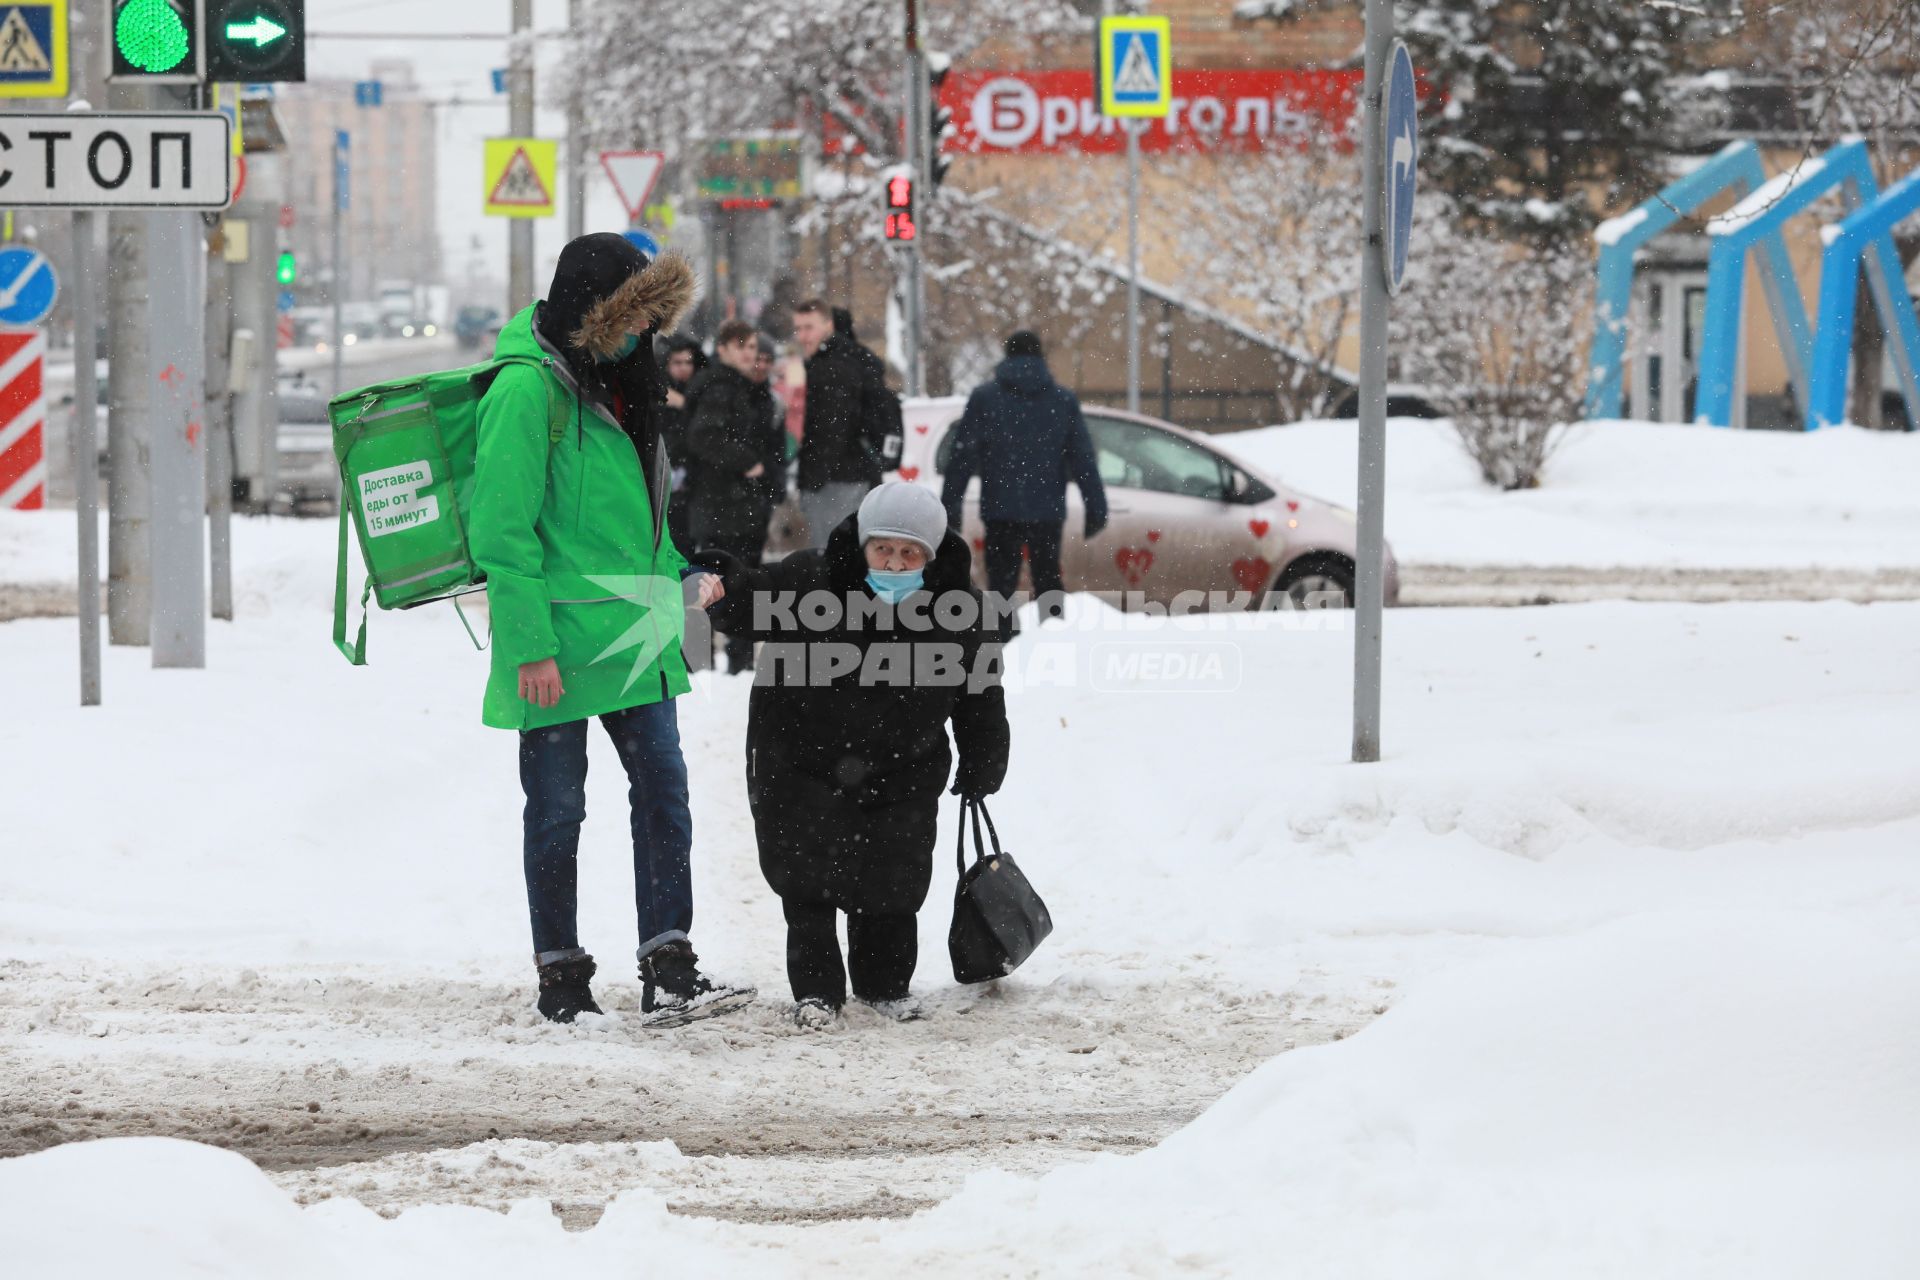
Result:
<point x="1280" y="234"/>
<point x="1545" y="113"/>
<point x="1498" y="332"/>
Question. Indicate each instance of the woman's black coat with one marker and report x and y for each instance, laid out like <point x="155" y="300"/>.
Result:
<point x="845" y="777"/>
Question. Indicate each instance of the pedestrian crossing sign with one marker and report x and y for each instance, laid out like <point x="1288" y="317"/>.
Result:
<point x="520" y="177"/>
<point x="1136" y="66"/>
<point x="33" y="48"/>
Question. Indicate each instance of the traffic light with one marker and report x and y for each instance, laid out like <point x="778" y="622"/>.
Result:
<point x="256" y="41"/>
<point x="287" y="270"/>
<point x="900" y="225"/>
<point x="939" y="118"/>
<point x="158" y="42"/>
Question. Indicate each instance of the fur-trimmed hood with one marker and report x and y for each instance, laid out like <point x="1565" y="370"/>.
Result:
<point x="604" y="288"/>
<point x="657" y="298"/>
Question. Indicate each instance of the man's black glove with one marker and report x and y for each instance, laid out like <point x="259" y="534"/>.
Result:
<point x="1095" y="523"/>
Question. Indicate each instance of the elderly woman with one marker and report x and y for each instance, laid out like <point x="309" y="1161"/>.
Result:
<point x="874" y="644"/>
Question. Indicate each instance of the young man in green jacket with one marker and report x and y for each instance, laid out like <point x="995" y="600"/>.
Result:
<point x="584" y="587"/>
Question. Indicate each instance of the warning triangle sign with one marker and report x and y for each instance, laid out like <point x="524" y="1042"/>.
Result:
<point x="1137" y="75"/>
<point x="633" y="174"/>
<point x="520" y="184"/>
<point x="20" y="49"/>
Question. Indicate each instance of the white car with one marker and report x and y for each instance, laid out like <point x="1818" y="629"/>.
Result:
<point x="1184" y="515"/>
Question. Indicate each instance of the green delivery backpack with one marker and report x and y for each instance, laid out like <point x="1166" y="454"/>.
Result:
<point x="406" y="454"/>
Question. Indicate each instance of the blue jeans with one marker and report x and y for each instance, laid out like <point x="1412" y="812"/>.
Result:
<point x="553" y="773"/>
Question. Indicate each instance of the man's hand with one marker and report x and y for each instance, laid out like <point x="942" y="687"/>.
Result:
<point x="759" y="469"/>
<point x="540" y="683"/>
<point x="675" y="400"/>
<point x="707" y="590"/>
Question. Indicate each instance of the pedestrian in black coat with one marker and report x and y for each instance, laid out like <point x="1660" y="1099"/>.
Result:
<point x="684" y="363"/>
<point x="837" y="466"/>
<point x="1023" y="434"/>
<point x="847" y="753"/>
<point x="736" y="462"/>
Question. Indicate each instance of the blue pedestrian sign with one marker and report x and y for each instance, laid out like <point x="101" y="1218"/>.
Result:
<point x="1401" y="147"/>
<point x="1135" y="58"/>
<point x="33" y="49"/>
<point x="27" y="285"/>
<point x="368" y="93"/>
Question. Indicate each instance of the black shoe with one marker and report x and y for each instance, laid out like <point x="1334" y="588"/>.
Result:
<point x="674" y="991"/>
<point x="564" y="990"/>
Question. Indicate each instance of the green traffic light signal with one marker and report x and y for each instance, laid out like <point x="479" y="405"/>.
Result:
<point x="288" y="270"/>
<point x="253" y="40"/>
<point x="152" y="38"/>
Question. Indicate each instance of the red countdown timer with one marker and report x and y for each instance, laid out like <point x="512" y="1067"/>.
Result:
<point x="900" y="208"/>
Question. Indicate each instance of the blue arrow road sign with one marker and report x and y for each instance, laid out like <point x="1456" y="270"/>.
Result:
<point x="1402" y="149"/>
<point x="367" y="93"/>
<point x="286" y="301"/>
<point x="27" y="285"/>
<point x="499" y="79"/>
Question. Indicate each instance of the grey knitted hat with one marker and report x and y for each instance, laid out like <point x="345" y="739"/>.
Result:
<point x="900" y="509"/>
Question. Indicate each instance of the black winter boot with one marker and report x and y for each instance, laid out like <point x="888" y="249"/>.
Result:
<point x="564" y="990"/>
<point x="674" y="991"/>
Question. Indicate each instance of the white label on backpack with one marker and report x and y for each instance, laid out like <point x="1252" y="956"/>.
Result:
<point x="391" y="500"/>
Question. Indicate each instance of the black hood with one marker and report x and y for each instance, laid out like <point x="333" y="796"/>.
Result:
<point x="603" y="289"/>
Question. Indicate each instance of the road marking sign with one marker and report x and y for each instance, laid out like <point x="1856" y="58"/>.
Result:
<point x="23" y="417"/>
<point x="27" y="286"/>
<point x="33" y="49"/>
<point x="125" y="160"/>
<point x="520" y="177"/>
<point x="1136" y="66"/>
<point x="1402" y="150"/>
<point x="633" y="174"/>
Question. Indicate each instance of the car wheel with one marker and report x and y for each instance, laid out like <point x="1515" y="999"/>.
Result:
<point x="1318" y="582"/>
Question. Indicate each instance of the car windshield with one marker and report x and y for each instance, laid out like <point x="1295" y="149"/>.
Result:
<point x="1132" y="455"/>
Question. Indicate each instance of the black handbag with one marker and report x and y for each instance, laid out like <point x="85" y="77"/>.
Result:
<point x="998" y="920"/>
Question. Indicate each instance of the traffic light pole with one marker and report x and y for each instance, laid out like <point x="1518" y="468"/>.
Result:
<point x="576" y="147"/>
<point x="912" y="301"/>
<point x="337" y="286"/>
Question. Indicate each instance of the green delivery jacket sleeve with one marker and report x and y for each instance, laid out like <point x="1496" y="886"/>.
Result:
<point x="509" y="489"/>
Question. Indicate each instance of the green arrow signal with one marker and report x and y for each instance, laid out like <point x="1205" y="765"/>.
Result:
<point x="262" y="31"/>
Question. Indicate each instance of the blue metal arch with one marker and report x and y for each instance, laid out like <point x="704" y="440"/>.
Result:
<point x="1864" y="239"/>
<point x="1757" y="219"/>
<point x="1736" y="168"/>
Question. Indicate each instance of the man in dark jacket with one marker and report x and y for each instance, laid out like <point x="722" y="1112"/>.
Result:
<point x="1024" y="436"/>
<point x="737" y="462"/>
<point x="685" y="360"/>
<point x="836" y="466"/>
<point x="847" y="750"/>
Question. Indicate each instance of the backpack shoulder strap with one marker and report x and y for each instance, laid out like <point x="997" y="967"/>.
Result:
<point x="556" y="410"/>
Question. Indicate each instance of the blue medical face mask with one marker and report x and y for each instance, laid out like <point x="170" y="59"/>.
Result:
<point x="895" y="587"/>
<point x="627" y="348"/>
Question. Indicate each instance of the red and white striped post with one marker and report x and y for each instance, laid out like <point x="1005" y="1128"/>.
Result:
<point x="23" y="420"/>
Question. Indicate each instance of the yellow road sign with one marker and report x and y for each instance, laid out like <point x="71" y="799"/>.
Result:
<point x="1136" y="66"/>
<point x="33" y="48"/>
<point x="520" y="176"/>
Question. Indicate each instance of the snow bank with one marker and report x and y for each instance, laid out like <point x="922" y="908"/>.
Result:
<point x="1699" y="1095"/>
<point x="1629" y="494"/>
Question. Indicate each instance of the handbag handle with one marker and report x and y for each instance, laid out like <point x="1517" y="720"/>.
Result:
<point x="978" y="808"/>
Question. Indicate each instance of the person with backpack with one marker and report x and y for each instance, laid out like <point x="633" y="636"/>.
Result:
<point x="875" y="646"/>
<point x="880" y="414"/>
<point x="568" y="523"/>
<point x="838" y="463"/>
<point x="738" y="458"/>
<point x="1023" y="434"/>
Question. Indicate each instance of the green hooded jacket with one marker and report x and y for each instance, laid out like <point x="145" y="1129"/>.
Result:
<point x="579" y="565"/>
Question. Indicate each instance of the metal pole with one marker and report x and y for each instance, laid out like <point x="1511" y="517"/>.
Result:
<point x="219" y="429"/>
<point x="1133" y="264"/>
<point x="576" y="141"/>
<point x="912" y="301"/>
<point x="175" y="261"/>
<point x="129" y="496"/>
<point x="1369" y="583"/>
<point x="520" y="125"/>
<point x="86" y="463"/>
<point x="337" y="287"/>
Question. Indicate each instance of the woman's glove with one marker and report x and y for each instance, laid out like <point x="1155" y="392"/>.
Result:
<point x="969" y="782"/>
